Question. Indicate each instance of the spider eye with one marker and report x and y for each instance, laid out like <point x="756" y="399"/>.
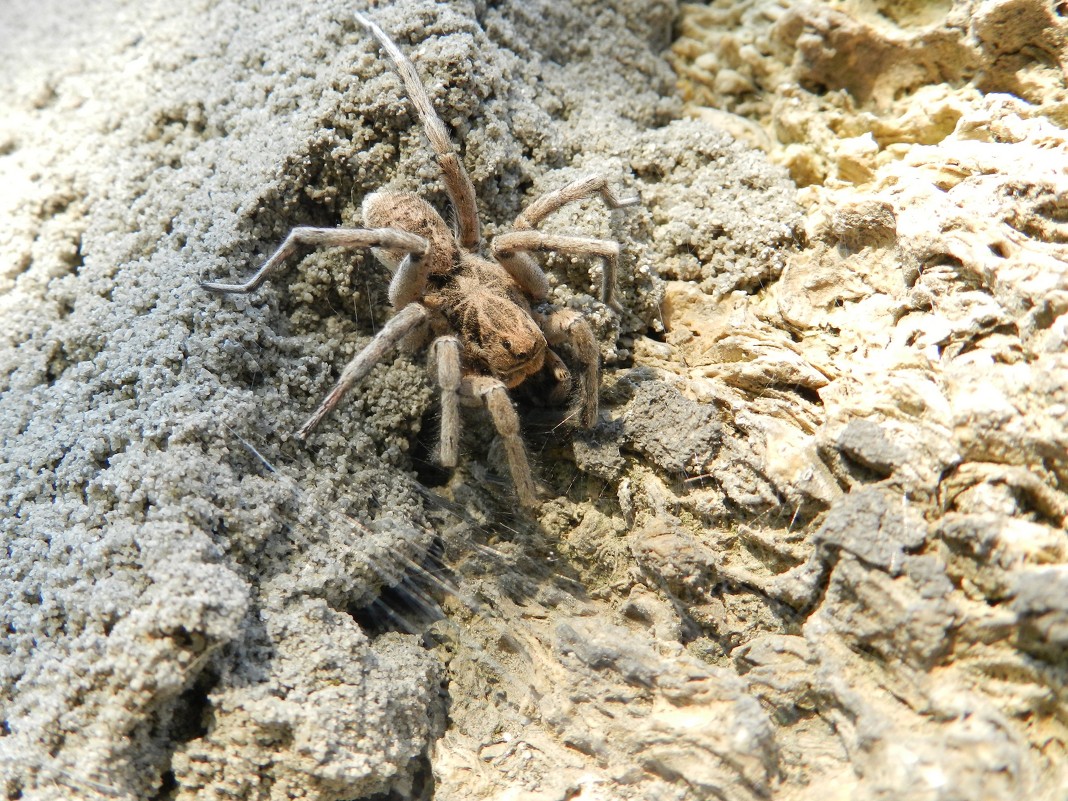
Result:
<point x="507" y="345"/>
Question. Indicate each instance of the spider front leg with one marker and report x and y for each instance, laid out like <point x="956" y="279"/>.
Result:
<point x="576" y="190"/>
<point x="390" y="238"/>
<point x="559" y="394"/>
<point x="491" y="393"/>
<point x="568" y="327"/>
<point x="507" y="246"/>
<point x="526" y="271"/>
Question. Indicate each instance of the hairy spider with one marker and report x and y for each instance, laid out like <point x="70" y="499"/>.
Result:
<point x="490" y="324"/>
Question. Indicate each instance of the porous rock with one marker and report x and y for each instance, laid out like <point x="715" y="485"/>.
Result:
<point x="927" y="290"/>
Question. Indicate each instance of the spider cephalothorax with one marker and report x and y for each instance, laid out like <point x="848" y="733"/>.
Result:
<point x="493" y="318"/>
<point x="488" y="318"/>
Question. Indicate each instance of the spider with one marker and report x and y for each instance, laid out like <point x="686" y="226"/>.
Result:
<point x="488" y="321"/>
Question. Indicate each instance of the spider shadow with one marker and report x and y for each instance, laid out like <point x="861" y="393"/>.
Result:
<point x="488" y="543"/>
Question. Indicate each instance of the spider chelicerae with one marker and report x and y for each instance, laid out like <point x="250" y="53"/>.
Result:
<point x="487" y="320"/>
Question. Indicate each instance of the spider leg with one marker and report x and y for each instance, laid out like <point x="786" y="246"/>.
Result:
<point x="457" y="182"/>
<point x="392" y="238"/>
<point x="576" y="190"/>
<point x="568" y="327"/>
<point x="513" y="242"/>
<point x="384" y="341"/>
<point x="445" y="356"/>
<point x="493" y="394"/>
<point x="524" y="269"/>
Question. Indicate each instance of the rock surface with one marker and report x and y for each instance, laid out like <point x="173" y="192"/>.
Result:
<point x="815" y="546"/>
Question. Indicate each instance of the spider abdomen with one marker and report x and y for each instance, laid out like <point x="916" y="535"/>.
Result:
<point x="413" y="214"/>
